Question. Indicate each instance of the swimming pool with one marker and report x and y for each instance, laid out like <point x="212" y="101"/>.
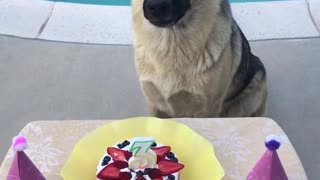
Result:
<point x="127" y="2"/>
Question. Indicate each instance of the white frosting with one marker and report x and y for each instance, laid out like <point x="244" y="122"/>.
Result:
<point x="100" y="167"/>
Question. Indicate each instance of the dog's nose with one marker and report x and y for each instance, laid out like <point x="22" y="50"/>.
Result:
<point x="158" y="9"/>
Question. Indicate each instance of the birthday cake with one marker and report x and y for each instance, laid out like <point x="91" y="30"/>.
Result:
<point x="139" y="159"/>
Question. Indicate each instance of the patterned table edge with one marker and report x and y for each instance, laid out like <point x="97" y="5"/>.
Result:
<point x="183" y="120"/>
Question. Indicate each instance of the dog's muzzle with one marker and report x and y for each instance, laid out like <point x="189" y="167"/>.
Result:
<point x="164" y="13"/>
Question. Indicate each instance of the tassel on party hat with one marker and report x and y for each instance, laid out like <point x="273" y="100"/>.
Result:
<point x="269" y="167"/>
<point x="22" y="167"/>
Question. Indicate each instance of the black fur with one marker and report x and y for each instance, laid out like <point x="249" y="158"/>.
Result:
<point x="225" y="10"/>
<point x="249" y="65"/>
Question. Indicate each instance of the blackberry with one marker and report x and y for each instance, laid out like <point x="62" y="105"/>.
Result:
<point x="147" y="171"/>
<point x="171" y="177"/>
<point x="154" y="144"/>
<point x="139" y="173"/>
<point x="125" y="143"/>
<point x="174" y="159"/>
<point x="104" y="163"/>
<point x="170" y="155"/>
<point x="106" y="160"/>
<point x="120" y="146"/>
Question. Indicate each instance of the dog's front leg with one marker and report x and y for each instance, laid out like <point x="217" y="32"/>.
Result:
<point x="154" y="99"/>
<point x="157" y="113"/>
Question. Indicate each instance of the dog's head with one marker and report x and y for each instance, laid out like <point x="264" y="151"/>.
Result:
<point x="164" y="13"/>
<point x="167" y="13"/>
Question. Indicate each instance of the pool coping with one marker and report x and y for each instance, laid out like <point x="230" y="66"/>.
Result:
<point x="98" y="24"/>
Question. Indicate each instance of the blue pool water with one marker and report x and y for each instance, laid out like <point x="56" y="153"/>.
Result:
<point x="127" y="2"/>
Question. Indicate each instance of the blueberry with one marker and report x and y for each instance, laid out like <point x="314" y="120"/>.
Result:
<point x="120" y="146"/>
<point x="170" y="155"/>
<point x="174" y="159"/>
<point x="139" y="173"/>
<point x="171" y="177"/>
<point x="125" y="143"/>
<point x="105" y="160"/>
<point x="147" y="171"/>
<point x="154" y="144"/>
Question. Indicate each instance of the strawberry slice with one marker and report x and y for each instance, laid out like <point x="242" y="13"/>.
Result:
<point x="161" y="152"/>
<point x="125" y="175"/>
<point x="155" y="174"/>
<point x="167" y="167"/>
<point x="109" y="172"/>
<point x="121" y="164"/>
<point x="160" y="178"/>
<point x="118" y="154"/>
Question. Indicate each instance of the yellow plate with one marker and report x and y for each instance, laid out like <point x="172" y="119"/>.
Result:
<point x="194" y="151"/>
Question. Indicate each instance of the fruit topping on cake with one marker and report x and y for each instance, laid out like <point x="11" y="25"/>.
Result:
<point x="139" y="159"/>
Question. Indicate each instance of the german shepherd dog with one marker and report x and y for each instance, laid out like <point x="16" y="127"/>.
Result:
<point x="193" y="60"/>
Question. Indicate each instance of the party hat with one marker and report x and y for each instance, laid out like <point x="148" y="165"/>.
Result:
<point x="22" y="167"/>
<point x="269" y="167"/>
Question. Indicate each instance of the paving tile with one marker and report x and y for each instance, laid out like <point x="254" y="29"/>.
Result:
<point x="283" y="19"/>
<point x="23" y="17"/>
<point x="89" y="24"/>
<point x="314" y="6"/>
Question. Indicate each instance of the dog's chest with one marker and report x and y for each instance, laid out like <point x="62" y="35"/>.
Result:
<point x="175" y="81"/>
<point x="175" y="93"/>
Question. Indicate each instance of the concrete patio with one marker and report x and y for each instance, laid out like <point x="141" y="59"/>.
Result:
<point x="42" y="80"/>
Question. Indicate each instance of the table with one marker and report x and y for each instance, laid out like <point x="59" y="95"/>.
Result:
<point x="238" y="142"/>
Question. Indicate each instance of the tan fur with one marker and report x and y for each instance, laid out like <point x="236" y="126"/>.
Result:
<point x="187" y="70"/>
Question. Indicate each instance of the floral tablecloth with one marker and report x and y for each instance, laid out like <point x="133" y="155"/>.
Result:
<point x="238" y="142"/>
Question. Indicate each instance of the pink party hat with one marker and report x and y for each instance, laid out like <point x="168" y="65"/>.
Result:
<point x="269" y="167"/>
<point x="22" y="167"/>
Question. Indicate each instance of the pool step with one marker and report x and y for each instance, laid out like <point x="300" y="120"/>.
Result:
<point x="86" y="23"/>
